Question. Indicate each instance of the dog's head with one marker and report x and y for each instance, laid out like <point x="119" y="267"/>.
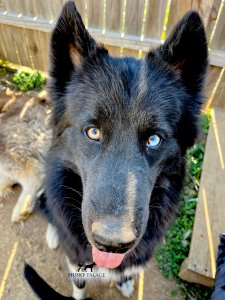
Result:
<point x="121" y="123"/>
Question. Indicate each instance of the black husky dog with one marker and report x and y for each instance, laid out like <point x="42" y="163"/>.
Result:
<point x="121" y="130"/>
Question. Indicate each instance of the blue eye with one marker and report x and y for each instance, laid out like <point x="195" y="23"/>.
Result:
<point x="153" y="141"/>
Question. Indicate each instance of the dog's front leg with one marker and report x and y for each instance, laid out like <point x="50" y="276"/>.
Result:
<point x="52" y="237"/>
<point x="126" y="286"/>
<point x="26" y="201"/>
<point x="79" y="284"/>
<point x="78" y="289"/>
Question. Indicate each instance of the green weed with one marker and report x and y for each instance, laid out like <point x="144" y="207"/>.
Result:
<point x="29" y="81"/>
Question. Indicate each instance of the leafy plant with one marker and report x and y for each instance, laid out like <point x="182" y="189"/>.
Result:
<point x="172" y="253"/>
<point x="205" y="120"/>
<point x="29" y="81"/>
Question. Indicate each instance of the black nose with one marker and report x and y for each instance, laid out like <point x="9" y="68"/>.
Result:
<point x="111" y="246"/>
<point x="112" y="234"/>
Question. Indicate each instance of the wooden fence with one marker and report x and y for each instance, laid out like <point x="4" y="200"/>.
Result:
<point x="126" y="27"/>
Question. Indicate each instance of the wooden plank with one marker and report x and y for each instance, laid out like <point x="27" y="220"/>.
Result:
<point x="9" y="45"/>
<point x="218" y="41"/>
<point x="211" y="81"/>
<point x="179" y="8"/>
<point x="110" y="38"/>
<point x="27" y="22"/>
<point x="218" y="99"/>
<point x="131" y="42"/>
<point x="130" y="52"/>
<point x="29" y="9"/>
<point x="2" y="6"/>
<point x="209" y="218"/>
<point x="3" y="53"/>
<point x="155" y="18"/>
<point x="212" y="18"/>
<point x="33" y="8"/>
<point x="190" y="276"/>
<point x="114" y="9"/>
<point x="10" y="5"/>
<point x="38" y="43"/>
<point x="134" y="17"/>
<point x="113" y="51"/>
<point x="217" y="58"/>
<point x="38" y="9"/>
<point x="41" y="9"/>
<point x="95" y="13"/>
<point x="18" y="36"/>
<point x="56" y="9"/>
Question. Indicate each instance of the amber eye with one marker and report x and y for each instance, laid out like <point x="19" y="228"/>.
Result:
<point x="93" y="133"/>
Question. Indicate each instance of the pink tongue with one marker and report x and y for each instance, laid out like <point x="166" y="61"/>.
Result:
<point x="106" y="259"/>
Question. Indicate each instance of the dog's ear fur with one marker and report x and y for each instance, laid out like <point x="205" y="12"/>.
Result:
<point x="70" y="45"/>
<point x="186" y="50"/>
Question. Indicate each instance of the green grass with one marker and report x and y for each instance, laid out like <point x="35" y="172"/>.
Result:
<point x="171" y="254"/>
<point x="26" y="81"/>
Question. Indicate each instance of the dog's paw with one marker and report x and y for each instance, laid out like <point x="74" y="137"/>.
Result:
<point x="79" y="293"/>
<point x="52" y="237"/>
<point x="21" y="212"/>
<point x="126" y="287"/>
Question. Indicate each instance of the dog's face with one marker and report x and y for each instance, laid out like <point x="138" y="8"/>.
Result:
<point x="121" y="123"/>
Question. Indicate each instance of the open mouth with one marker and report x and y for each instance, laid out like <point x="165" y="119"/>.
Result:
<point x="107" y="259"/>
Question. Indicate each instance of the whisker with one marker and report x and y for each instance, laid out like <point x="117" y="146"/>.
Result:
<point x="70" y="188"/>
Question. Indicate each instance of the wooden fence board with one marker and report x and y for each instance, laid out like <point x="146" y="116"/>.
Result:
<point x="114" y="14"/>
<point x="209" y="218"/>
<point x="114" y="51"/>
<point x="212" y="17"/>
<point x="134" y="17"/>
<point x="10" y="5"/>
<point x="219" y="97"/>
<point x="3" y="53"/>
<point x="155" y="18"/>
<point x="212" y="77"/>
<point x="2" y="6"/>
<point x="56" y="9"/>
<point x="18" y="36"/>
<point x="218" y="41"/>
<point x="7" y="40"/>
<point x="95" y="13"/>
<point x="38" y="47"/>
<point x="179" y="8"/>
<point x="130" y="52"/>
<point x="29" y="9"/>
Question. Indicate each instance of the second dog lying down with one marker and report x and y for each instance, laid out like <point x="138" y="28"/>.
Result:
<point x="25" y="138"/>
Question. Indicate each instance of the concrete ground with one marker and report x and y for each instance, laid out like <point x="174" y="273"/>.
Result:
<point x="25" y="241"/>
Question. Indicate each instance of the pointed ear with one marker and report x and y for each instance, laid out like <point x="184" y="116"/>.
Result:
<point x="70" y="45"/>
<point x="186" y="51"/>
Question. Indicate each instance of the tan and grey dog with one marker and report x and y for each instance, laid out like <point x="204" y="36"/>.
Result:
<point x="24" y="139"/>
